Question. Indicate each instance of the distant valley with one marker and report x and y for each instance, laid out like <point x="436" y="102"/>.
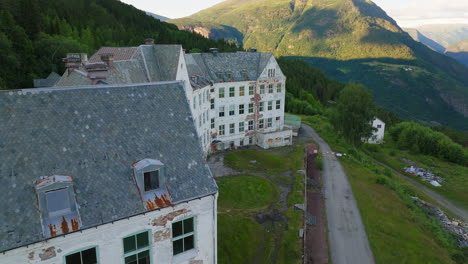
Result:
<point x="351" y="41"/>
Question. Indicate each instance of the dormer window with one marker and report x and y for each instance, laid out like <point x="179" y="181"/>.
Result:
<point x="229" y="75"/>
<point x="220" y="75"/>
<point x="244" y="75"/>
<point x="57" y="205"/>
<point x="151" y="180"/>
<point x="58" y="202"/>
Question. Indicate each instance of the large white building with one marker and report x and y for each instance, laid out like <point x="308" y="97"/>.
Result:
<point x="104" y="174"/>
<point x="236" y="98"/>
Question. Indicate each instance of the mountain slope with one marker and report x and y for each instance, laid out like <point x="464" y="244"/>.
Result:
<point x="445" y="34"/>
<point x="459" y="51"/>
<point x="351" y="40"/>
<point x="418" y="36"/>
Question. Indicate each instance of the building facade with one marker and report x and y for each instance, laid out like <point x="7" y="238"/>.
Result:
<point x="379" y="132"/>
<point x="104" y="174"/>
<point x="236" y="99"/>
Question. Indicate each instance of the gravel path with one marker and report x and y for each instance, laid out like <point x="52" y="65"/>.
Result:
<point x="347" y="236"/>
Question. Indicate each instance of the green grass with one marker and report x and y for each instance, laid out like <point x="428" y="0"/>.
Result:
<point x="264" y="162"/>
<point x="455" y="177"/>
<point x="245" y="192"/>
<point x="242" y="240"/>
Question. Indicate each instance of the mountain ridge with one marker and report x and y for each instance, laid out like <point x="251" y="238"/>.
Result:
<point x="345" y="32"/>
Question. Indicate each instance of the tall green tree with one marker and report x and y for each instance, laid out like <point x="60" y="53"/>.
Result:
<point x="355" y="111"/>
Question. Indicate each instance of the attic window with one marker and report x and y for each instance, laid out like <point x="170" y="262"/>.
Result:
<point x="151" y="180"/>
<point x="220" y="75"/>
<point x="244" y="75"/>
<point x="58" y="202"/>
<point x="229" y="76"/>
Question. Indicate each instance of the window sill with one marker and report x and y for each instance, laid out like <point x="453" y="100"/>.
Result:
<point x="187" y="255"/>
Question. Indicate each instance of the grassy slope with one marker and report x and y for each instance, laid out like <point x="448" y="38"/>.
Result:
<point x="352" y="33"/>
<point x="398" y="231"/>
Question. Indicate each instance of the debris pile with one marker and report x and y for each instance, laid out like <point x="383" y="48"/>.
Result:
<point x="426" y="175"/>
<point x="457" y="227"/>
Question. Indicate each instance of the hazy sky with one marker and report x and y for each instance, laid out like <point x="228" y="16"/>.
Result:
<point x="408" y="13"/>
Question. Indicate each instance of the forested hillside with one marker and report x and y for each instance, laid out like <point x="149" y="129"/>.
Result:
<point x="36" y="34"/>
<point x="351" y="41"/>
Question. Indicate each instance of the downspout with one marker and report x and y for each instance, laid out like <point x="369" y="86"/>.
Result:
<point x="215" y="229"/>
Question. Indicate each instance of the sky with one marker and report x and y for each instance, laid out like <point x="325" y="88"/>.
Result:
<point x="407" y="13"/>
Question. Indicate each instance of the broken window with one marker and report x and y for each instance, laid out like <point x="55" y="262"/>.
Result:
<point x="221" y="92"/>
<point x="151" y="180"/>
<point x="241" y="91"/>
<point x="136" y="248"/>
<point x="232" y="91"/>
<point x="183" y="236"/>
<point x="87" y="256"/>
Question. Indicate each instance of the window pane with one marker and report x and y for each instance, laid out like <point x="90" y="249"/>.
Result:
<point x="143" y="257"/>
<point x="129" y="244"/>
<point x="57" y="200"/>
<point x="73" y="259"/>
<point x="177" y="229"/>
<point x="142" y="240"/>
<point x="188" y="243"/>
<point x="188" y="225"/>
<point x="178" y="246"/>
<point x="131" y="259"/>
<point x="89" y="256"/>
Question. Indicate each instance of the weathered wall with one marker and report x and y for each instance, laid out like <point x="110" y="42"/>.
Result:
<point x="108" y="238"/>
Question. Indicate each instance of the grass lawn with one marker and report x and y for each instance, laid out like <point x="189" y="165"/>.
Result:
<point x="245" y="192"/>
<point x="242" y="240"/>
<point x="264" y="161"/>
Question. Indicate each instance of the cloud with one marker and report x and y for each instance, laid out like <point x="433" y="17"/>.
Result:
<point x="418" y="12"/>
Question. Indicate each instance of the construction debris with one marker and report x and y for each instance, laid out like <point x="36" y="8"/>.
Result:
<point x="425" y="174"/>
<point x="454" y="226"/>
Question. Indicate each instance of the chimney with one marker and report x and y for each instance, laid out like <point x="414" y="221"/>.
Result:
<point x="149" y="41"/>
<point x="97" y="72"/>
<point x="108" y="58"/>
<point x="71" y="63"/>
<point x="214" y="51"/>
<point x="253" y="49"/>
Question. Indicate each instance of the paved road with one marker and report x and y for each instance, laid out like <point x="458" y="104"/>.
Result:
<point x="441" y="200"/>
<point x="346" y="234"/>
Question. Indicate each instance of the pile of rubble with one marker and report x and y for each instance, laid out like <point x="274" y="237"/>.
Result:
<point x="425" y="174"/>
<point x="457" y="227"/>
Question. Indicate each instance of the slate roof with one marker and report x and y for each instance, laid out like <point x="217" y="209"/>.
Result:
<point x="142" y="64"/>
<point x="94" y="134"/>
<point x="209" y="65"/>
<point x="51" y="80"/>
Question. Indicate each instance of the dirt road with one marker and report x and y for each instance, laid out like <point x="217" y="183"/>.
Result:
<point x="346" y="234"/>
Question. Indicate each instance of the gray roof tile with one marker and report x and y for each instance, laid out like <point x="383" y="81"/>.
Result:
<point x="93" y="134"/>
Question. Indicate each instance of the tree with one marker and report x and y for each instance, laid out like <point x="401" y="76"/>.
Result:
<point x="355" y="111"/>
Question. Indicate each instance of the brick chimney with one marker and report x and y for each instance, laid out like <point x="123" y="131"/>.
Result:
<point x="149" y="41"/>
<point x="74" y="61"/>
<point x="108" y="58"/>
<point x="97" y="72"/>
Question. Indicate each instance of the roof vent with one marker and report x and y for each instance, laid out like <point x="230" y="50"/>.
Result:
<point x="253" y="49"/>
<point x="149" y="41"/>
<point x="214" y="51"/>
